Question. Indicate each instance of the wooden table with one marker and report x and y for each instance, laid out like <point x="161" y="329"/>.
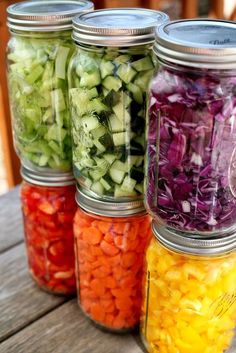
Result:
<point x="32" y="321"/>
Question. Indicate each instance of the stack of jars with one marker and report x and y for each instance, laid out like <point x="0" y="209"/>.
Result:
<point x="38" y="55"/>
<point x="190" y="288"/>
<point x="108" y="84"/>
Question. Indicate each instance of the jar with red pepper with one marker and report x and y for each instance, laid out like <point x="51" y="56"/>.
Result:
<point x="110" y="242"/>
<point x="48" y="206"/>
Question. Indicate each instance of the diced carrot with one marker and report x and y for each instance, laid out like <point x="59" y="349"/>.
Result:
<point x="118" y="273"/>
<point x="133" y="245"/>
<point x="86" y="305"/>
<point x="110" y="282"/>
<point x="104" y="227"/>
<point x="120" y="227"/>
<point x="97" y="312"/>
<point x="129" y="281"/>
<point x="108" y="238"/>
<point x="96" y="251"/>
<point x="119" y="322"/>
<point x="86" y="293"/>
<point x="109" y="249"/>
<point x="120" y="242"/>
<point x="84" y="279"/>
<point x="97" y="286"/>
<point x="114" y="260"/>
<point x="108" y="306"/>
<point x="128" y="259"/>
<point x="101" y="272"/>
<point x="133" y="231"/>
<point x="92" y="235"/>
<point x="107" y="296"/>
<point x="123" y="303"/>
<point x="109" y="320"/>
<point x="145" y="228"/>
<point x="121" y="293"/>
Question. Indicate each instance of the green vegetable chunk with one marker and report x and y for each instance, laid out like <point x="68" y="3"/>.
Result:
<point x="108" y="98"/>
<point x="38" y="88"/>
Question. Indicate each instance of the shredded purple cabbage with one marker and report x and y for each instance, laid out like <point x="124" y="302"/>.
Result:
<point x="191" y="152"/>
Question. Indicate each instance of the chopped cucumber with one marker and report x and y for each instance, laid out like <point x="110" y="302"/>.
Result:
<point x="112" y="82"/>
<point x="37" y="76"/>
<point x="97" y="188"/>
<point x="143" y="64"/>
<point x="119" y="138"/>
<point x="90" y="79"/>
<point x="107" y="99"/>
<point x="105" y="184"/>
<point x="126" y="73"/>
<point x="117" y="175"/>
<point x="106" y="68"/>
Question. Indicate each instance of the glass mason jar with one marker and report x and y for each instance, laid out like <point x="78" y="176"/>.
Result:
<point x="37" y="55"/>
<point x="189" y="300"/>
<point x="48" y="206"/>
<point x="191" y="147"/>
<point x="110" y="241"/>
<point x="108" y="82"/>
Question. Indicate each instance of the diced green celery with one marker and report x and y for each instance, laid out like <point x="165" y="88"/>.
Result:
<point x="35" y="74"/>
<point x="60" y="64"/>
<point x="58" y="100"/>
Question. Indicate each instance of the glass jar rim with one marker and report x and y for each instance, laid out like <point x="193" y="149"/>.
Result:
<point x="114" y="208"/>
<point x="47" y="179"/>
<point x="213" y="47"/>
<point x="44" y="16"/>
<point x="181" y="243"/>
<point x="117" y="27"/>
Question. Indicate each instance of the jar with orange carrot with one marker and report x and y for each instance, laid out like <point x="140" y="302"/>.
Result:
<point x="110" y="241"/>
<point x="48" y="206"/>
<point x="189" y="300"/>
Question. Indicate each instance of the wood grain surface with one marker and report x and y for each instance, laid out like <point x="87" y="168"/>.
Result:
<point x="21" y="302"/>
<point x="11" y="229"/>
<point x="66" y="330"/>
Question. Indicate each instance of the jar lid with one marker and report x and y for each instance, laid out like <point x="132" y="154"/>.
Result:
<point x="42" y="15"/>
<point x="108" y="208"/>
<point x="194" y="246"/>
<point x="117" y="27"/>
<point x="198" y="43"/>
<point x="53" y="179"/>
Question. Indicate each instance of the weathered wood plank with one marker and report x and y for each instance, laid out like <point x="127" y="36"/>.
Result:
<point x="66" y="330"/>
<point x="21" y="302"/>
<point x="11" y="227"/>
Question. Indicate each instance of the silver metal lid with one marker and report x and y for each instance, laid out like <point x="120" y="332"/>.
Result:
<point x="117" y="27"/>
<point x="42" y="15"/>
<point x="108" y="208"/>
<point x="60" y="179"/>
<point x="194" y="246"/>
<point x="198" y="43"/>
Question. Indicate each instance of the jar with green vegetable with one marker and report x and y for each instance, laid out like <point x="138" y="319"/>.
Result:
<point x="109" y="76"/>
<point x="38" y="54"/>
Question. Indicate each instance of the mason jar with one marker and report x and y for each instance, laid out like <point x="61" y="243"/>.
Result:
<point x="48" y="206"/>
<point x="108" y="82"/>
<point x="37" y="58"/>
<point x="191" y="137"/>
<point x="189" y="297"/>
<point x="110" y="241"/>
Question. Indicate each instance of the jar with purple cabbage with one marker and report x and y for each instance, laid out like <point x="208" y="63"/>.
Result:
<point x="191" y="133"/>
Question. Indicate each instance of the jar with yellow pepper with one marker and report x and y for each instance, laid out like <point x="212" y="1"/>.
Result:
<point x="189" y="303"/>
